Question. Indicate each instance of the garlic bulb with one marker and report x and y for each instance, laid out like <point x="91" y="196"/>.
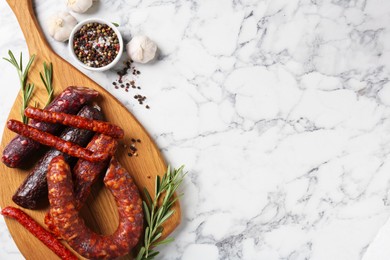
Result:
<point x="141" y="49"/>
<point x="61" y="25"/>
<point x="79" y="6"/>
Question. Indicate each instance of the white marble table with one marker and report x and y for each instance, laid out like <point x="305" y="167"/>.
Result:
<point x="279" y="110"/>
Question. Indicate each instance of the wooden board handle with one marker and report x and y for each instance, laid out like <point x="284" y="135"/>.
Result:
<point x="24" y="12"/>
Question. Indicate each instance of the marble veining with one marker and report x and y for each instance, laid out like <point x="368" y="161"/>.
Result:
<point x="279" y="110"/>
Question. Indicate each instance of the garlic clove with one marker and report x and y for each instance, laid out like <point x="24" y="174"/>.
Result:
<point x="79" y="6"/>
<point x="141" y="49"/>
<point x="60" y="26"/>
<point x="139" y="55"/>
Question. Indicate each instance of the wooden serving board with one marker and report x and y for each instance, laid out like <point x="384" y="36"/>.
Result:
<point x="100" y="212"/>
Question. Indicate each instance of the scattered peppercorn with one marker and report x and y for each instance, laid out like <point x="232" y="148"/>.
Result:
<point x="133" y="151"/>
<point x="125" y="82"/>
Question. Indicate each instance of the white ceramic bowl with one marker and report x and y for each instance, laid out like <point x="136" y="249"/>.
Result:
<point x="95" y="20"/>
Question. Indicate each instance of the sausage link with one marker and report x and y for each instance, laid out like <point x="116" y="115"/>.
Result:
<point x="75" y="121"/>
<point x="39" y="232"/>
<point x="69" y="101"/>
<point x="34" y="188"/>
<point x="85" y="174"/>
<point x="73" y="229"/>
<point x="59" y="144"/>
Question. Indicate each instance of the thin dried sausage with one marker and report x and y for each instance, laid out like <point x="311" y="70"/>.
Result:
<point x="73" y="229"/>
<point x="59" y="144"/>
<point x="39" y="232"/>
<point x="33" y="190"/>
<point x="69" y="101"/>
<point x="75" y="121"/>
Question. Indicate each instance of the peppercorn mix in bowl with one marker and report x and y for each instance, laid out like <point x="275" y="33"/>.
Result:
<point x="96" y="44"/>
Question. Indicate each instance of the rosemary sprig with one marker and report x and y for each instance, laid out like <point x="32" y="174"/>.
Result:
<point x="157" y="213"/>
<point x="48" y="80"/>
<point x="27" y="89"/>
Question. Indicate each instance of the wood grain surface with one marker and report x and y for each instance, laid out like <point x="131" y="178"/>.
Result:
<point x="100" y="212"/>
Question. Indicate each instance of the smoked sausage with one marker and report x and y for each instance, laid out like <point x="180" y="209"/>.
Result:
<point x="85" y="174"/>
<point x="69" y="101"/>
<point x="73" y="229"/>
<point x="34" y="188"/>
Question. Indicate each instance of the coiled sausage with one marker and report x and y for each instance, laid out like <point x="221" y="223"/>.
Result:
<point x="85" y="174"/>
<point x="72" y="228"/>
